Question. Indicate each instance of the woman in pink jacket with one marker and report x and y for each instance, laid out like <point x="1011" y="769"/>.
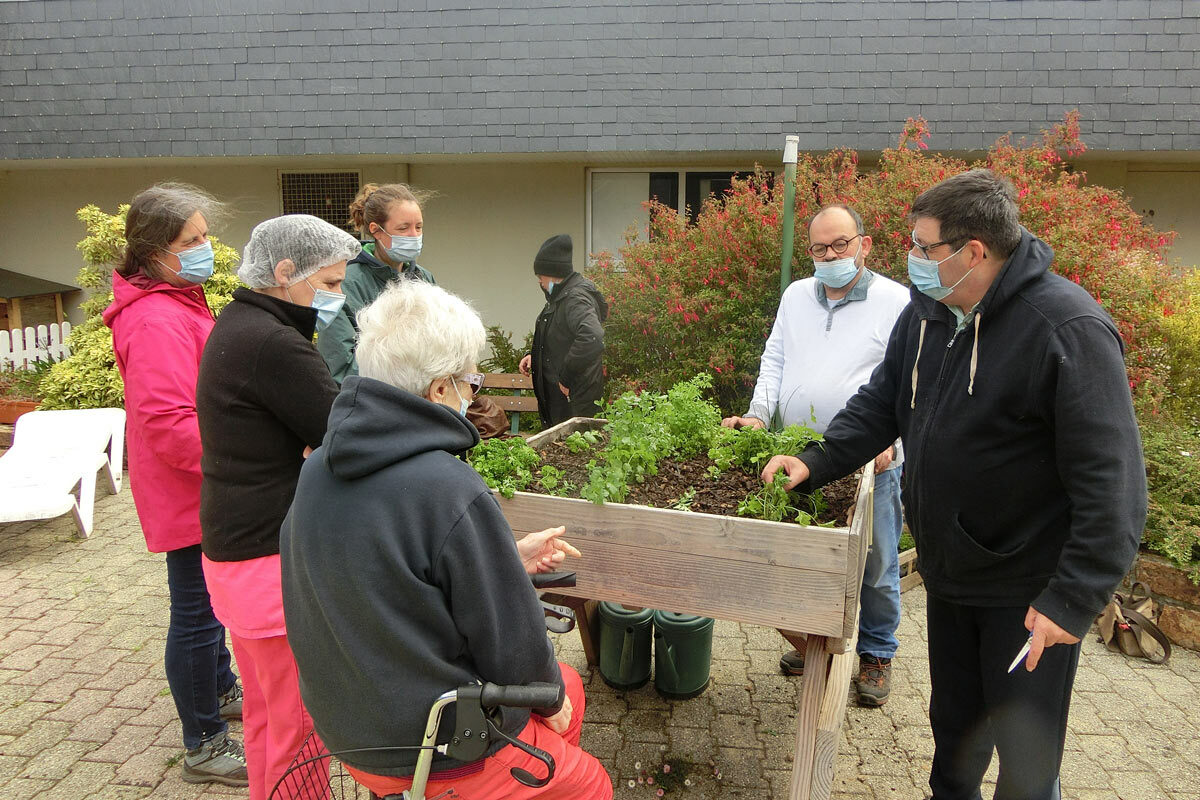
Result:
<point x="160" y="321"/>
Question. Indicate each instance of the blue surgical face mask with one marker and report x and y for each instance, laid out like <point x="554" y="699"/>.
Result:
<point x="925" y="275"/>
<point x="550" y="287"/>
<point x="195" y="264"/>
<point x="403" y="249"/>
<point x="837" y="273"/>
<point x="462" y="404"/>
<point x="327" y="304"/>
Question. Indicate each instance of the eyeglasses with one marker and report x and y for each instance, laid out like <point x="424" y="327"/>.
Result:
<point x="475" y="379"/>
<point x="925" y="248"/>
<point x="838" y="246"/>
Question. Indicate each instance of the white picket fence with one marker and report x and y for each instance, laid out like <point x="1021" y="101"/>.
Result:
<point x="21" y="349"/>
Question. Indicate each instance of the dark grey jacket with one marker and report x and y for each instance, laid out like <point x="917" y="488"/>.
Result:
<point x="568" y="348"/>
<point x="401" y="579"/>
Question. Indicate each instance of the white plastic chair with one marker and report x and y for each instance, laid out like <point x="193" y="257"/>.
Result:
<point x="52" y="464"/>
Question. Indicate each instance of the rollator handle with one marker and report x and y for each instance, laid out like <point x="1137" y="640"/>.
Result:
<point x="530" y="695"/>
<point x="552" y="580"/>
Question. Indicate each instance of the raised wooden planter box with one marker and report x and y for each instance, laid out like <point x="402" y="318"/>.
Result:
<point x="797" y="578"/>
<point x="909" y="577"/>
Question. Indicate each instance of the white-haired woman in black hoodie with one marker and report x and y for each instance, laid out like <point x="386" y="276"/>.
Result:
<point x="399" y="569"/>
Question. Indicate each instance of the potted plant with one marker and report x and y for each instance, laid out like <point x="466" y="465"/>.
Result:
<point x="19" y="391"/>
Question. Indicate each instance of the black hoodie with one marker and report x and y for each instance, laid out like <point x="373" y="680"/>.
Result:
<point x="1024" y="474"/>
<point x="401" y="579"/>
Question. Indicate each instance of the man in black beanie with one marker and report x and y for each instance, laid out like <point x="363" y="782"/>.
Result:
<point x="568" y="340"/>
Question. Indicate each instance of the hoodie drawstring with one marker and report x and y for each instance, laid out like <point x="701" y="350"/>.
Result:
<point x="920" y="344"/>
<point x="974" y="354"/>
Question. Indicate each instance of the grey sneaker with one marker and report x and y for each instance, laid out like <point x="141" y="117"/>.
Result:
<point x="218" y="759"/>
<point x="231" y="702"/>
<point x="874" y="681"/>
<point x="792" y="663"/>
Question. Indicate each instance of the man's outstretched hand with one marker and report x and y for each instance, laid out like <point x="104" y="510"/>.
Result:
<point x="797" y="470"/>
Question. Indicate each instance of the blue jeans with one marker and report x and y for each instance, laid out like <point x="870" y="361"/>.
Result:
<point x="880" y="596"/>
<point x="197" y="660"/>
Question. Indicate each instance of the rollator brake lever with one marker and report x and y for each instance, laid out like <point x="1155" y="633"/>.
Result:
<point x="523" y="775"/>
<point x="559" y="619"/>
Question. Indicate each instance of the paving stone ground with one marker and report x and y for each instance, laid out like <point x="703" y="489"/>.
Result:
<point x="85" y="710"/>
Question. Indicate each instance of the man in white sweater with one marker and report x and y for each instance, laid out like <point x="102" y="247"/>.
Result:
<point x="829" y="334"/>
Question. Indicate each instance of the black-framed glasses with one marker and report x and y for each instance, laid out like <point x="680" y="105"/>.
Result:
<point x="925" y="248"/>
<point x="838" y="246"/>
<point x="475" y="379"/>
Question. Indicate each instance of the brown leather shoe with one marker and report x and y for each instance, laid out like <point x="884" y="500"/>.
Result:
<point x="874" y="681"/>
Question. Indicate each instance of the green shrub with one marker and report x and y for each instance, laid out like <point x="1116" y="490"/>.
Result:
<point x="1173" y="471"/>
<point x="702" y="298"/>
<point x="505" y="355"/>
<point x="88" y="378"/>
<point x="23" y="384"/>
<point x="1181" y="351"/>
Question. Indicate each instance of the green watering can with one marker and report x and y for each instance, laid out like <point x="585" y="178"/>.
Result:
<point x="682" y="654"/>
<point x="624" y="645"/>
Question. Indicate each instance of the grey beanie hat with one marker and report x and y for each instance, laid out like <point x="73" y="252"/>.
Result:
<point x="554" y="257"/>
<point x="309" y="242"/>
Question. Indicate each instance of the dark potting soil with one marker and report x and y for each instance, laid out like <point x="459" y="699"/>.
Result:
<point x="687" y="483"/>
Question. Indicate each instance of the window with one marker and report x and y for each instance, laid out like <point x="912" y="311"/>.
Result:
<point x="327" y="195"/>
<point x="616" y="198"/>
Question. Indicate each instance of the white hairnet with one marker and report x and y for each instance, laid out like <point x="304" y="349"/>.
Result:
<point x="309" y="242"/>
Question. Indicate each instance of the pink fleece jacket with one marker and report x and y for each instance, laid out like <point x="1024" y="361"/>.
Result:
<point x="159" y="332"/>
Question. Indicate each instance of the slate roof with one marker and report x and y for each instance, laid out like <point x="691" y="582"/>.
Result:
<point x="136" y="78"/>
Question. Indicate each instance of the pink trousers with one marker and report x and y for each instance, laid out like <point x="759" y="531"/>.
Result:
<point x="274" y="722"/>
<point x="577" y="776"/>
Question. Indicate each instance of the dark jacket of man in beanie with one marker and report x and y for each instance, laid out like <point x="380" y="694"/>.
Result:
<point x="568" y="339"/>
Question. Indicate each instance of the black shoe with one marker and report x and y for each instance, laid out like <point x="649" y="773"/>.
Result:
<point x="874" y="681"/>
<point x="792" y="663"/>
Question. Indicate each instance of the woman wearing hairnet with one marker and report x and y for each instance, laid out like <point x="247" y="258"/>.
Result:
<point x="263" y="399"/>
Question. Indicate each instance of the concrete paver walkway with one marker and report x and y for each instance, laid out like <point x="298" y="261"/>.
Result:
<point x="85" y="710"/>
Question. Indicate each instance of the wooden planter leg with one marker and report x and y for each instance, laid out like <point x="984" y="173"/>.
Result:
<point x="812" y="697"/>
<point x="831" y="716"/>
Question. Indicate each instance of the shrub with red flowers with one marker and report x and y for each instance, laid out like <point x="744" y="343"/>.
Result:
<point x="688" y="298"/>
<point x="701" y="297"/>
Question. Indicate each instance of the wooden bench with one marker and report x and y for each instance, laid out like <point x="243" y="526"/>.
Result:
<point x="516" y="403"/>
<point x="795" y="578"/>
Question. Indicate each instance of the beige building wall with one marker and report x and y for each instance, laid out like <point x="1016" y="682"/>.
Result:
<point x="484" y="225"/>
<point x="1166" y="194"/>
<point x="39" y="229"/>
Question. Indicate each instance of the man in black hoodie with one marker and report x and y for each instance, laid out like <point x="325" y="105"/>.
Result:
<point x="1025" y="488"/>
<point x="568" y="339"/>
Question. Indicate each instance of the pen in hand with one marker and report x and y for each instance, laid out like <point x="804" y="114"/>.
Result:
<point x="1024" y="651"/>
